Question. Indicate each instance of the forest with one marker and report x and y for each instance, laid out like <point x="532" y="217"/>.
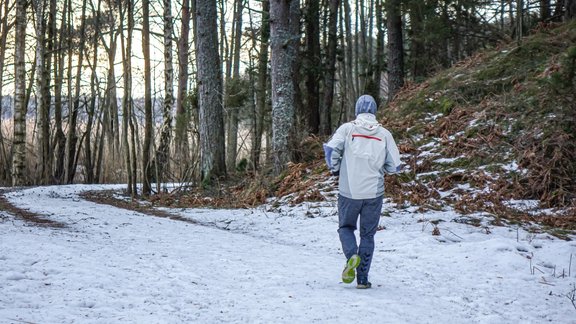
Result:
<point x="150" y="92"/>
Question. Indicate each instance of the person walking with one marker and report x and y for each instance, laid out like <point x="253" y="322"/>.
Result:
<point x="360" y="152"/>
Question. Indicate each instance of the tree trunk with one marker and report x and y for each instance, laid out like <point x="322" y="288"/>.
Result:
<point x="350" y="78"/>
<point x="91" y="108"/>
<point x="234" y="90"/>
<point x="570" y="12"/>
<point x="544" y="10"/>
<point x="312" y="66"/>
<point x="128" y="132"/>
<point x="111" y="116"/>
<point x="147" y="146"/>
<point x="283" y="90"/>
<point x="78" y="86"/>
<point x="379" y="59"/>
<point x="519" y="20"/>
<point x="4" y="29"/>
<point x="182" y="116"/>
<point x="163" y="152"/>
<point x="20" y="109"/>
<point x="50" y="64"/>
<point x="261" y="102"/>
<point x="60" y="137"/>
<point x="72" y="136"/>
<point x="395" y="48"/>
<point x="362" y="55"/>
<point x="42" y="95"/>
<point x="212" y="151"/>
<point x="330" y="73"/>
<point x="223" y="41"/>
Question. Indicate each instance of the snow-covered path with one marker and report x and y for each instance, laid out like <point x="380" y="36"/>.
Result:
<point x="111" y="265"/>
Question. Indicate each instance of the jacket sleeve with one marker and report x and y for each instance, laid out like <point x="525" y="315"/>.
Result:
<point x="392" y="163"/>
<point x="334" y="149"/>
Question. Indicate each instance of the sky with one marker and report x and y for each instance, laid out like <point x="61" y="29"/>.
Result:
<point x="270" y="264"/>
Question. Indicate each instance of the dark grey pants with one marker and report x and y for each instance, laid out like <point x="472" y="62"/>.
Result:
<point x="348" y="212"/>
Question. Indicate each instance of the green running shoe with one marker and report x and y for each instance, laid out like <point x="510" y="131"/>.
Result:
<point x="349" y="272"/>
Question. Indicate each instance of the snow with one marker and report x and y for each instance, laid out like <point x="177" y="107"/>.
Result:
<point x="447" y="160"/>
<point x="270" y="265"/>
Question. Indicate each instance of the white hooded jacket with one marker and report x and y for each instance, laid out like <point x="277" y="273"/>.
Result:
<point x="362" y="151"/>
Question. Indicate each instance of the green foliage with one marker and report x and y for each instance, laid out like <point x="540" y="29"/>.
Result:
<point x="191" y="100"/>
<point x="445" y="105"/>
<point x="242" y="165"/>
<point x="236" y="92"/>
<point x="564" y="78"/>
<point x="206" y="183"/>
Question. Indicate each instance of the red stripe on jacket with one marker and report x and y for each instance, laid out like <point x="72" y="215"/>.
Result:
<point x="366" y="136"/>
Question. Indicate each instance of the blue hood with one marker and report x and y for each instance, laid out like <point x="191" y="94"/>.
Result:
<point x="365" y="104"/>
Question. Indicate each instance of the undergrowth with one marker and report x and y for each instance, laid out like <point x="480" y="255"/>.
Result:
<point x="508" y="115"/>
<point x="497" y="127"/>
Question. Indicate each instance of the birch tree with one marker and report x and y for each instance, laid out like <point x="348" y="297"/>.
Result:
<point x="211" y="128"/>
<point x="20" y="109"/>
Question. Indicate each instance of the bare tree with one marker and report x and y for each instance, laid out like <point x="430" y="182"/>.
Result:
<point x="284" y="51"/>
<point x="128" y="137"/>
<point x="72" y="135"/>
<point x="91" y="107"/>
<point x="211" y="130"/>
<point x="233" y="89"/>
<point x="42" y="93"/>
<point x="182" y="117"/>
<point x="147" y="146"/>
<point x="4" y="29"/>
<point x="78" y="73"/>
<point x="330" y="73"/>
<point x="59" y="143"/>
<point x="20" y="109"/>
<point x="261" y="102"/>
<point x="163" y="152"/>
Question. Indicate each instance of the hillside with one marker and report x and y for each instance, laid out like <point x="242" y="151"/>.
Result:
<point x="495" y="133"/>
<point x="491" y="137"/>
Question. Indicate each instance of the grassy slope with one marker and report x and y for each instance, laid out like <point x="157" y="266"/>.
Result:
<point x="498" y="126"/>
